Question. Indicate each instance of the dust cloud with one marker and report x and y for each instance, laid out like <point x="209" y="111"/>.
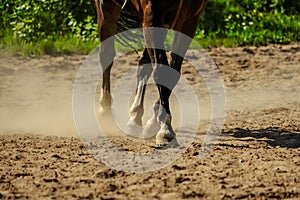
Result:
<point x="36" y="94"/>
<point x="36" y="99"/>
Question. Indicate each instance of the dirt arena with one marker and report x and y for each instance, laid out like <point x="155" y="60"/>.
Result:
<point x="257" y="156"/>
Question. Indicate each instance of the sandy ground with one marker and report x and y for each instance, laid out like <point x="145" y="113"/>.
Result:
<point x="257" y="156"/>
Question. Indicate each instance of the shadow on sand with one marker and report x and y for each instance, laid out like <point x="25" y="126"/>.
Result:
<point x="272" y="136"/>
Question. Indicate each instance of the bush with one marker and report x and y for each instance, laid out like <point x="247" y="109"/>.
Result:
<point x="252" y="21"/>
<point x="33" y="20"/>
<point x="246" y="22"/>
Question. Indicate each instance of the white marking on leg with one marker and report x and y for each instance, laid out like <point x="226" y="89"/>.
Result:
<point x="134" y="126"/>
<point x="152" y="125"/>
<point x="166" y="133"/>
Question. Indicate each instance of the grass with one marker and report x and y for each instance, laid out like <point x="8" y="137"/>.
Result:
<point x="68" y="44"/>
<point x="12" y="46"/>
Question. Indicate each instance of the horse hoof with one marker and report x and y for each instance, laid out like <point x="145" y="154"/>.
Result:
<point x="167" y="144"/>
<point x="165" y="136"/>
<point x="151" y="128"/>
<point x="133" y="129"/>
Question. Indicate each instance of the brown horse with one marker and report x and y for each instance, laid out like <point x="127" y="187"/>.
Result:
<point x="179" y="15"/>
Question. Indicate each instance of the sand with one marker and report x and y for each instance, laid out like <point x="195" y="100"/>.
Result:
<point x="257" y="155"/>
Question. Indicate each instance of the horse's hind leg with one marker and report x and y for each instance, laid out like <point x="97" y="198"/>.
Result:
<point x="134" y="125"/>
<point x="152" y="125"/>
<point x="107" y="22"/>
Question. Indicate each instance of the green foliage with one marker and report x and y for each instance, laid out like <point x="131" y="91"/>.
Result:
<point x="252" y="22"/>
<point x="35" y="27"/>
<point x="33" y="20"/>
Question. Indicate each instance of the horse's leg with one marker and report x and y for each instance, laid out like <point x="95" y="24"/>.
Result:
<point x="166" y="133"/>
<point x="154" y="39"/>
<point x="107" y="22"/>
<point x="152" y="125"/>
<point x="137" y="110"/>
<point x="165" y="83"/>
<point x="180" y="45"/>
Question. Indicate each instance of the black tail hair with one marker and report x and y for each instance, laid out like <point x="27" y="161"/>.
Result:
<point x="127" y="21"/>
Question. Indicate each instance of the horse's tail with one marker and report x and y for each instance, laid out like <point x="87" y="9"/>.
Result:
<point x="98" y="4"/>
<point x="129" y="20"/>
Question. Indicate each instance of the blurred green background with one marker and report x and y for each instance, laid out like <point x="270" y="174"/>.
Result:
<point x="35" y="27"/>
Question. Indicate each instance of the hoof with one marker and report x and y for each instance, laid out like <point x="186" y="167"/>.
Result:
<point x="134" y="129"/>
<point x="151" y="128"/>
<point x="165" y="136"/>
<point x="172" y="144"/>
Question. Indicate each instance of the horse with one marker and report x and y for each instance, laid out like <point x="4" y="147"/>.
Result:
<point x="181" y="16"/>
